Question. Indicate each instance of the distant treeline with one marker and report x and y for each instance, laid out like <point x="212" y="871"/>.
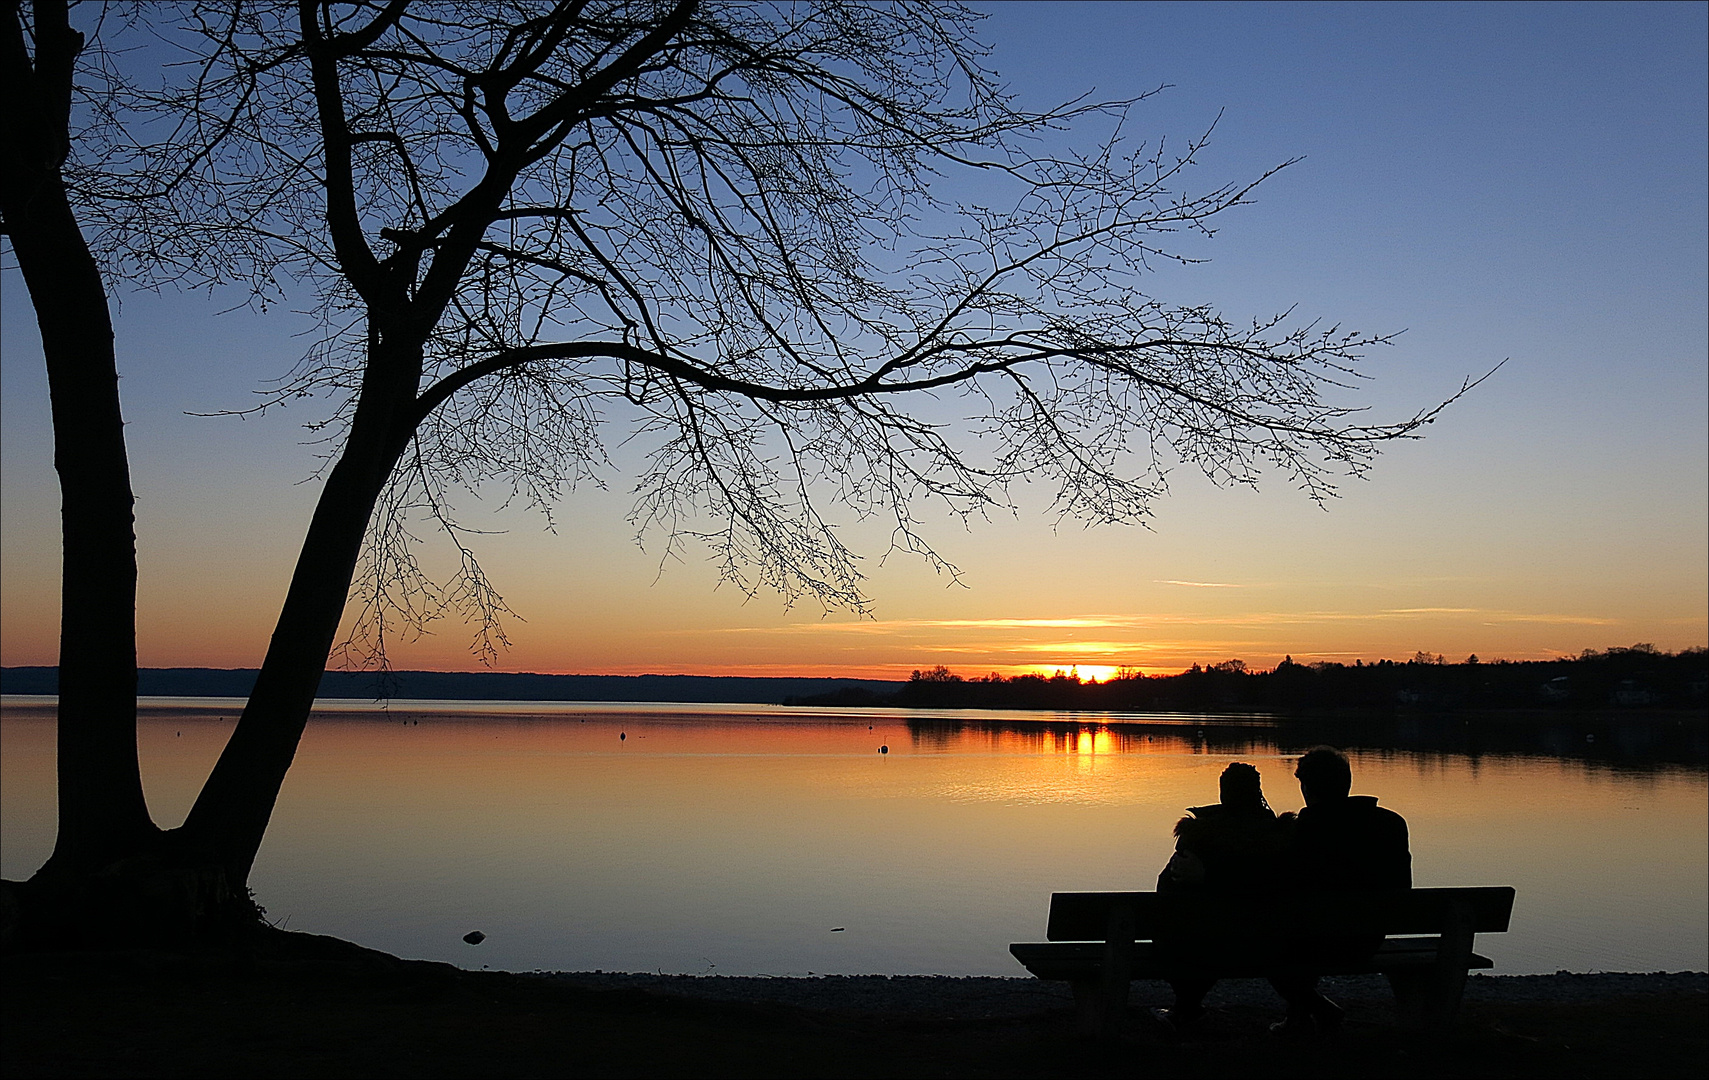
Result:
<point x="1639" y="676"/>
<point x="471" y="685"/>
<point x="1636" y="677"/>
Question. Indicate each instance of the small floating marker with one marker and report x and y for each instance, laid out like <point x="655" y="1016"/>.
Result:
<point x="884" y="749"/>
<point x="1590" y="738"/>
<point x="622" y="735"/>
<point x="838" y="929"/>
<point x="474" y="937"/>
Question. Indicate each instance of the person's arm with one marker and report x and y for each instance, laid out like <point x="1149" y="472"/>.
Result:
<point x="1398" y="869"/>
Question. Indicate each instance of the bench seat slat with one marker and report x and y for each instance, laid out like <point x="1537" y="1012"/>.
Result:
<point x="1084" y="916"/>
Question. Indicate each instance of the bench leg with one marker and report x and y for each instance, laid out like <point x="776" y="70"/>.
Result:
<point x="1117" y="969"/>
<point x="1100" y="1007"/>
<point x="1427" y="999"/>
<point x="1453" y="959"/>
<point x="1411" y="995"/>
<point x="1088" y="1007"/>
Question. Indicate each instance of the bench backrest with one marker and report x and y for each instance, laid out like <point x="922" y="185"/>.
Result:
<point x="1089" y="916"/>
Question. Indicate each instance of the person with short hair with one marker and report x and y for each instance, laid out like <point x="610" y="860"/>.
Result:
<point x="1343" y="843"/>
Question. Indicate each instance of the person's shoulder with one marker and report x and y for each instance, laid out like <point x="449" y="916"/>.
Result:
<point x="1381" y="816"/>
<point x="1367" y="804"/>
<point x="1362" y="813"/>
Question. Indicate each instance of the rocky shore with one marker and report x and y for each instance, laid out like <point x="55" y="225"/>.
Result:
<point x="299" y="1005"/>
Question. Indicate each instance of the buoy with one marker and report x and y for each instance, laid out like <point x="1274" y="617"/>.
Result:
<point x="884" y="749"/>
<point x="622" y="735"/>
<point x="474" y="937"/>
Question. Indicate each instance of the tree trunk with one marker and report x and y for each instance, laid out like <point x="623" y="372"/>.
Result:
<point x="114" y="878"/>
<point x="102" y="813"/>
<point x="230" y="815"/>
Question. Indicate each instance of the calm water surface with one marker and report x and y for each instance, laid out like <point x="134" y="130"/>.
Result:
<point x="763" y="840"/>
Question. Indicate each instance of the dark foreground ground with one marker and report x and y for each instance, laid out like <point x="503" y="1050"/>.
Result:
<point x="301" y="1006"/>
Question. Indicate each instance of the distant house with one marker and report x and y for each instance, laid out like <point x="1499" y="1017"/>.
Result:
<point x="1629" y="693"/>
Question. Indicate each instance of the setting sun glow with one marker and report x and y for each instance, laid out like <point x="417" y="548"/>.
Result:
<point x="1086" y="672"/>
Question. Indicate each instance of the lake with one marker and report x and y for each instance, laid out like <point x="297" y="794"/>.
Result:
<point x="741" y="840"/>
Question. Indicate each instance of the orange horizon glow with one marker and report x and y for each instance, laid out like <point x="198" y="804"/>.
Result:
<point x="705" y="637"/>
<point x="1086" y="673"/>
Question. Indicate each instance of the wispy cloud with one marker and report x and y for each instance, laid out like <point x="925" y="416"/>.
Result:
<point x="1088" y="623"/>
<point x="1570" y="620"/>
<point x="1081" y="648"/>
<point x="892" y="626"/>
<point x="1200" y="584"/>
<point x="1142" y="627"/>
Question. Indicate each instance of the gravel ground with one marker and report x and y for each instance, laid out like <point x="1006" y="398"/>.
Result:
<point x="971" y="998"/>
<point x="298" y="1005"/>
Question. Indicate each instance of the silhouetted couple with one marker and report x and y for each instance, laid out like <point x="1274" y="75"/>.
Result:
<point x="1240" y="848"/>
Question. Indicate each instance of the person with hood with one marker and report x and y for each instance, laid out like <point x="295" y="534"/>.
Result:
<point x="1230" y="848"/>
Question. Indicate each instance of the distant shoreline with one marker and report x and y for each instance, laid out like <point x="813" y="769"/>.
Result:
<point x="475" y="686"/>
<point x="1629" y="682"/>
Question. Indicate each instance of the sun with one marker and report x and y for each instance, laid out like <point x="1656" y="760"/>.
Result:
<point x="1096" y="672"/>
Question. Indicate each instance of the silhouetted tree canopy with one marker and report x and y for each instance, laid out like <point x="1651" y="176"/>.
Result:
<point x="813" y="252"/>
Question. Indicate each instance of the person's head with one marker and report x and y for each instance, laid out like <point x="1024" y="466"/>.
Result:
<point x="1324" y="775"/>
<point x="1241" y="787"/>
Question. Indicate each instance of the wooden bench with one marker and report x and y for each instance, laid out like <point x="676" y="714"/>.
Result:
<point x="1101" y="941"/>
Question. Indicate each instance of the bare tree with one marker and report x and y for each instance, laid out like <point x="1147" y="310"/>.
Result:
<point x="102" y="814"/>
<point x="745" y="232"/>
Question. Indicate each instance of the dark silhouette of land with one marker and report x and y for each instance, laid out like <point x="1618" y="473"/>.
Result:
<point x="1620" y="678"/>
<point x="1639" y="677"/>
<point x="473" y="685"/>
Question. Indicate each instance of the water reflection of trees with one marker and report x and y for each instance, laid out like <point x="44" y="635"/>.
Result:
<point x="1628" y="742"/>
